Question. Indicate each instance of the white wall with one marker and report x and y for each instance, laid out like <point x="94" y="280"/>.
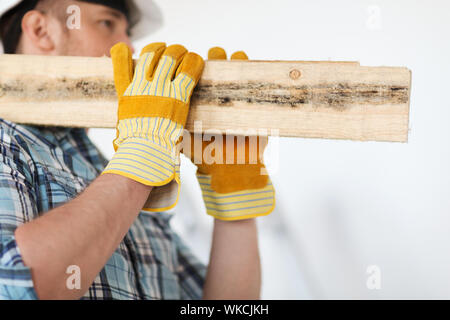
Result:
<point x="341" y="206"/>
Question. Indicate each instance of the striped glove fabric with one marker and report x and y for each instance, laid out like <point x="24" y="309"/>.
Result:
<point x="234" y="191"/>
<point x="153" y="107"/>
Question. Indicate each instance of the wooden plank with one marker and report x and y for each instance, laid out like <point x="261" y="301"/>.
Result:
<point x="332" y="100"/>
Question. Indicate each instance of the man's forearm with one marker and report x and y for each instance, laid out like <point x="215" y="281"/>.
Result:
<point x="84" y="232"/>
<point x="234" y="271"/>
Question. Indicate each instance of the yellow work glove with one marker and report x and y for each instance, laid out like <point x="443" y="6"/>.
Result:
<point x="234" y="191"/>
<point x="153" y="107"/>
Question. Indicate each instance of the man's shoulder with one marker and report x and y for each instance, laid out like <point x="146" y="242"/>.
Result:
<point x="39" y="138"/>
<point x="11" y="130"/>
<point x="23" y="142"/>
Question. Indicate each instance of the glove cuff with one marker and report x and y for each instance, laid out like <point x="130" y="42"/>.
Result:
<point x="145" y="162"/>
<point x="165" y="197"/>
<point x="238" y="205"/>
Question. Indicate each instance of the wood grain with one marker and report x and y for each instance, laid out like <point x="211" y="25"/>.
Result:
<point x="331" y="100"/>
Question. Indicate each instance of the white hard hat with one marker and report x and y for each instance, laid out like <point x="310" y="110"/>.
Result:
<point x="145" y="16"/>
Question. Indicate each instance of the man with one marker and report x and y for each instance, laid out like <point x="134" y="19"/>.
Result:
<point x="66" y="211"/>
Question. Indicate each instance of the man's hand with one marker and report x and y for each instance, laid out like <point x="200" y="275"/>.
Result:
<point x="240" y="188"/>
<point x="153" y="108"/>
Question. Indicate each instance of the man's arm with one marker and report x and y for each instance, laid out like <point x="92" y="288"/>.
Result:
<point x="84" y="232"/>
<point x="234" y="270"/>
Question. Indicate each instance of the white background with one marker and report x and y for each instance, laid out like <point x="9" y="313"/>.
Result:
<point x="342" y="206"/>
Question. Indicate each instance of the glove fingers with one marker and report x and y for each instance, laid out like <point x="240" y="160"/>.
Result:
<point x="148" y="59"/>
<point x="217" y="53"/>
<point x="239" y="55"/>
<point x="170" y="60"/>
<point x="122" y="59"/>
<point x="187" y="76"/>
<point x="158" y="49"/>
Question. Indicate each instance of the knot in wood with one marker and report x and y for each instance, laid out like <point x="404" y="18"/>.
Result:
<point x="295" y="74"/>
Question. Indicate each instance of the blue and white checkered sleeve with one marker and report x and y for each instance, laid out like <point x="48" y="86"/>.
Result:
<point x="17" y="206"/>
<point x="191" y="271"/>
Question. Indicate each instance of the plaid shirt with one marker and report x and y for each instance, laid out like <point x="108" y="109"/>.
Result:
<point x="42" y="168"/>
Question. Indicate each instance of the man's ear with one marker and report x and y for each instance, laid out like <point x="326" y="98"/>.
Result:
<point x="35" y="26"/>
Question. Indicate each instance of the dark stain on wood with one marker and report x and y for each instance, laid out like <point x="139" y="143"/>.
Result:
<point x="333" y="95"/>
<point x="58" y="89"/>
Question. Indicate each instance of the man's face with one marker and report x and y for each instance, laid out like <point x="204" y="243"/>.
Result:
<point x="99" y="29"/>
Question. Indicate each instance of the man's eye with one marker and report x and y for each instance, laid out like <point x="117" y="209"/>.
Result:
<point x="107" y="23"/>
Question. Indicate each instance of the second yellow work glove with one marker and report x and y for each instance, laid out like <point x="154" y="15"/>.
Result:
<point x="154" y="102"/>
<point x="234" y="191"/>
